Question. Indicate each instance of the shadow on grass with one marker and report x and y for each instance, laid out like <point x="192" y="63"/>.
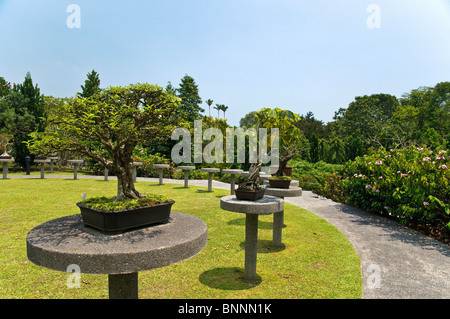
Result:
<point x="227" y="278"/>
<point x="261" y="223"/>
<point x="265" y="246"/>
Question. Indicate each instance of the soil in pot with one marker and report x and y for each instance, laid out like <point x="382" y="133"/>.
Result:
<point x="126" y="219"/>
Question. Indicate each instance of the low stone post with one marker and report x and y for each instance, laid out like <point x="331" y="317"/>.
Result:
<point x="161" y="173"/>
<point x="135" y="165"/>
<point x="210" y="171"/>
<point x="75" y="163"/>
<point x="52" y="158"/>
<point x="5" y="162"/>
<point x="186" y="170"/>
<point x="233" y="173"/>
<point x="42" y="162"/>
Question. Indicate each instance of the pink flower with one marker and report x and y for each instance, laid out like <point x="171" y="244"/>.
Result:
<point x="378" y="162"/>
<point x="442" y="152"/>
<point x="381" y="177"/>
<point x="420" y="149"/>
<point x="443" y="167"/>
<point x="427" y="159"/>
<point x="426" y="203"/>
<point x="368" y="186"/>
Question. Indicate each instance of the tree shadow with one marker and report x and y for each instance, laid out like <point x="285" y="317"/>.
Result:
<point x="228" y="278"/>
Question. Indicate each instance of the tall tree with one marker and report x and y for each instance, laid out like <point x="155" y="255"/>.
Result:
<point x="209" y="102"/>
<point x="218" y="107"/>
<point x="170" y="89"/>
<point x="5" y="87"/>
<point x="91" y="85"/>
<point x="224" y="109"/>
<point x="190" y="99"/>
<point x="27" y="103"/>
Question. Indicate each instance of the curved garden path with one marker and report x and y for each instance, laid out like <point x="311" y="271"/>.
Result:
<point x="396" y="262"/>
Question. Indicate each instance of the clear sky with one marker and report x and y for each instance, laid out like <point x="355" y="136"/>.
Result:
<point x="301" y="55"/>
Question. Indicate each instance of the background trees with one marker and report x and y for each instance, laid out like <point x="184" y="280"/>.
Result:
<point x="190" y="99"/>
<point x="21" y="113"/>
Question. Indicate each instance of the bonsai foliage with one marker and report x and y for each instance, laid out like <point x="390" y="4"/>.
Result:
<point x="118" y="119"/>
<point x="290" y="137"/>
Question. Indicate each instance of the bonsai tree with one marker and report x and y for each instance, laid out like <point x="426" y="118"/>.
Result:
<point x="4" y="142"/>
<point x="252" y="182"/>
<point x="117" y="119"/>
<point x="291" y="140"/>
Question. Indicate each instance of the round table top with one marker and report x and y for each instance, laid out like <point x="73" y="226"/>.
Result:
<point x="211" y="170"/>
<point x="232" y="171"/>
<point x="75" y="161"/>
<point x="53" y="157"/>
<point x="186" y="168"/>
<point x="42" y="160"/>
<point x="138" y="163"/>
<point x="65" y="241"/>
<point x="6" y="160"/>
<point x="161" y="165"/>
<point x="292" y="191"/>
<point x="263" y="206"/>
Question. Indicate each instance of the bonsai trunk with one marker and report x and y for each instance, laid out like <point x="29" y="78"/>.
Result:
<point x="125" y="180"/>
<point x="283" y="163"/>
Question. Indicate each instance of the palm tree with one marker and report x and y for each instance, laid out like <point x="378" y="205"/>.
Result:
<point x="224" y="109"/>
<point x="209" y="102"/>
<point x="218" y="107"/>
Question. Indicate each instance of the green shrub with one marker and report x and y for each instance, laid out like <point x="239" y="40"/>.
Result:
<point x="410" y="184"/>
<point x="108" y="204"/>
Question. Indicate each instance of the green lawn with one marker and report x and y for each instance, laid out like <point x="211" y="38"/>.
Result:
<point x="316" y="262"/>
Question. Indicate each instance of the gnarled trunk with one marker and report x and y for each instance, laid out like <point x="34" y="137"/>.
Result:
<point x="125" y="179"/>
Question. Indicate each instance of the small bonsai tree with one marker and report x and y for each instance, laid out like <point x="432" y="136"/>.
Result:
<point x="291" y="139"/>
<point x="4" y="142"/>
<point x="117" y="119"/>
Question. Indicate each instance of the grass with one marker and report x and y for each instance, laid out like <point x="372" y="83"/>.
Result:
<point x="317" y="261"/>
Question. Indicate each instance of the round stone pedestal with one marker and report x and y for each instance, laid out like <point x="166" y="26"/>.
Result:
<point x="264" y="206"/>
<point x="66" y="241"/>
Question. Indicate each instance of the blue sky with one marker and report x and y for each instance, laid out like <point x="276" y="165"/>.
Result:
<point x="248" y="54"/>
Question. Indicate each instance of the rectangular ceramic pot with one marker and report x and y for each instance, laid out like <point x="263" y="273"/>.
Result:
<point x="249" y="195"/>
<point x="279" y="183"/>
<point x="120" y="221"/>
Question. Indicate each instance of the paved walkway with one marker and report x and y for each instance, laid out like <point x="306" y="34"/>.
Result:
<point x="396" y="262"/>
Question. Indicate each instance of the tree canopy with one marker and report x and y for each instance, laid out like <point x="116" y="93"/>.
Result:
<point x="118" y="119"/>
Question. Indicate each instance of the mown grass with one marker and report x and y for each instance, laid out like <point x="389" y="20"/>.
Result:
<point x="317" y="261"/>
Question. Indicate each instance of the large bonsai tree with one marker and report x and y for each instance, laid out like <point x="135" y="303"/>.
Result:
<point x="117" y="119"/>
<point x="291" y="139"/>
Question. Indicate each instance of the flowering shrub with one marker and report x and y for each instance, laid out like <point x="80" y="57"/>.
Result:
<point x="411" y="185"/>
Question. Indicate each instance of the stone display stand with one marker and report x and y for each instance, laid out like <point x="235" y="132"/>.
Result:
<point x="75" y="163"/>
<point x="107" y="171"/>
<point x="42" y="162"/>
<point x="210" y="171"/>
<point x="52" y="158"/>
<point x="233" y="173"/>
<point x="135" y="165"/>
<point x="264" y="206"/>
<point x="186" y="170"/>
<point x="5" y="162"/>
<point x="63" y="242"/>
<point x="161" y="174"/>
<point x="278" y="218"/>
